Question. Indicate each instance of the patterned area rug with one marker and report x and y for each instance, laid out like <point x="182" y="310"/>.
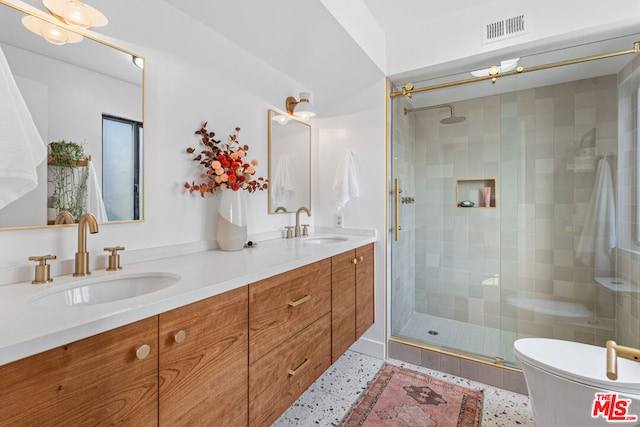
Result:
<point x="401" y="397"/>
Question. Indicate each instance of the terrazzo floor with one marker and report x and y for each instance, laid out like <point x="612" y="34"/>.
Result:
<point x="328" y="400"/>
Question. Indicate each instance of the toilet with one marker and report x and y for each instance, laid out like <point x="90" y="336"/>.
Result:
<point x="563" y="378"/>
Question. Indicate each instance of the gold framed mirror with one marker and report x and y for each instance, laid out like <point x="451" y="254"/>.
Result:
<point x="87" y="92"/>
<point x="289" y="163"/>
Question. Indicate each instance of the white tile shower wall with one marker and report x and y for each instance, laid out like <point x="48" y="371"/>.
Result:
<point x="459" y="271"/>
<point x="470" y="261"/>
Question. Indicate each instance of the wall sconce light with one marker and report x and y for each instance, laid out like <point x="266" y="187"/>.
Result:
<point x="76" y="13"/>
<point x="52" y="33"/>
<point x="302" y="108"/>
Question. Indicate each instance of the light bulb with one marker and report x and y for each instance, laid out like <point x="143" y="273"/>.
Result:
<point x="304" y="114"/>
<point x="77" y="14"/>
<point x="50" y="32"/>
<point x="53" y="34"/>
<point x="281" y="118"/>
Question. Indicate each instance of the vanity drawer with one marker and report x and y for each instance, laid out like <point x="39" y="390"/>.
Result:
<point x="283" y="305"/>
<point x="280" y="377"/>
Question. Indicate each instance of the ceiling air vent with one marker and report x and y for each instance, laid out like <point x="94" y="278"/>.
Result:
<point x="505" y="28"/>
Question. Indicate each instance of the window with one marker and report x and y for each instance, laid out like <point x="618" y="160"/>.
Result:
<point x="121" y="168"/>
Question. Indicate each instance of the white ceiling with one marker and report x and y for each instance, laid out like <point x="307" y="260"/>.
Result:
<point x="392" y="16"/>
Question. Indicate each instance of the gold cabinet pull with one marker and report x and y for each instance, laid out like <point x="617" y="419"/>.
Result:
<point x="360" y="258"/>
<point x="354" y="261"/>
<point x="300" y="301"/>
<point x="293" y="372"/>
<point x="143" y="351"/>
<point x="180" y="336"/>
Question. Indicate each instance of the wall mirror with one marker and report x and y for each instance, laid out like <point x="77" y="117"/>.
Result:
<point x="89" y="93"/>
<point x="289" y="163"/>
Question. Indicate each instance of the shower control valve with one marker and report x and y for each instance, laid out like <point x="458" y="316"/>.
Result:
<point x="407" y="200"/>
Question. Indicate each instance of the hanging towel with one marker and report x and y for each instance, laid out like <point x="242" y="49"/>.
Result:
<point x="21" y="147"/>
<point x="345" y="181"/>
<point x="282" y="186"/>
<point x="95" y="204"/>
<point x="598" y="237"/>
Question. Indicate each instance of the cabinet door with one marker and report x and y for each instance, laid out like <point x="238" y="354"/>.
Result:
<point x="283" y="305"/>
<point x="343" y="303"/>
<point x="364" y="289"/>
<point x="95" y="381"/>
<point x="204" y="362"/>
<point x="281" y="376"/>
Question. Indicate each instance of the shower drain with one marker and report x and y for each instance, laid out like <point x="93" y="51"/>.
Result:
<point x="432" y="332"/>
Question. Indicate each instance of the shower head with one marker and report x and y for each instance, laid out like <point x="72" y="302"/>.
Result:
<point x="452" y="120"/>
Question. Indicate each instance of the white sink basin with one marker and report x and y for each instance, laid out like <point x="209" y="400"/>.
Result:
<point x="100" y="290"/>
<point x="321" y="240"/>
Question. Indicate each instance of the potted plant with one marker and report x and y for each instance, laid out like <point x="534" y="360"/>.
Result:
<point x="67" y="177"/>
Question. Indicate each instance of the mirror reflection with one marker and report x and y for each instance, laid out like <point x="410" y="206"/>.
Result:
<point x="85" y="99"/>
<point x="289" y="163"/>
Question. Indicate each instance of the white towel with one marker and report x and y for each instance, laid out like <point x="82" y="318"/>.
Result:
<point x="21" y="147"/>
<point x="282" y="185"/>
<point x="598" y="237"/>
<point x="345" y="181"/>
<point x="95" y="204"/>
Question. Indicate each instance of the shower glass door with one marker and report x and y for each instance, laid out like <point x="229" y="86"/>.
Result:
<point x="518" y="220"/>
<point x="446" y="259"/>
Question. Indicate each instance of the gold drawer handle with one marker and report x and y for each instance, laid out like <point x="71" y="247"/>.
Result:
<point x="300" y="301"/>
<point x="293" y="372"/>
<point x="143" y="351"/>
<point x="180" y="336"/>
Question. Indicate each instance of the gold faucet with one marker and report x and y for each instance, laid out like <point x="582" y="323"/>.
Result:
<point x="296" y="231"/>
<point x="613" y="352"/>
<point x="64" y="217"/>
<point x="82" y="256"/>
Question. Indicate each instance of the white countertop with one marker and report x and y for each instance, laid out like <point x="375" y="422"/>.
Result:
<point x="25" y="330"/>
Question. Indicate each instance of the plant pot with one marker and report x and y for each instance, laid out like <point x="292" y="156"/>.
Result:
<point x="231" y="231"/>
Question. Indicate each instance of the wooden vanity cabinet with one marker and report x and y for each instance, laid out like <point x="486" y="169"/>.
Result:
<point x="352" y="296"/>
<point x="289" y="338"/>
<point x="95" y="381"/>
<point x="236" y="359"/>
<point x="203" y="365"/>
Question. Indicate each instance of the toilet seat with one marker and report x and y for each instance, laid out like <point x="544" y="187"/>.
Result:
<point x="589" y="367"/>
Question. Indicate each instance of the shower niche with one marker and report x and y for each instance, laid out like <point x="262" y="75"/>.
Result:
<point x="480" y="191"/>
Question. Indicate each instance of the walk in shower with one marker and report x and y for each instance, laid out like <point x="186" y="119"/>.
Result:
<point x="513" y="203"/>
